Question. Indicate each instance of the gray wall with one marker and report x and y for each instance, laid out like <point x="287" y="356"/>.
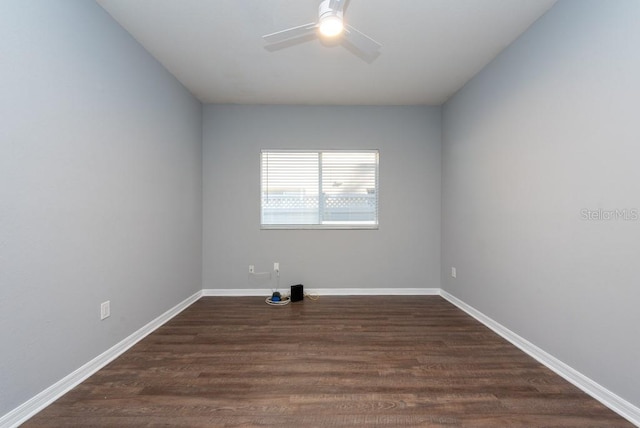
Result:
<point x="546" y="130"/>
<point x="100" y="190"/>
<point x="404" y="252"/>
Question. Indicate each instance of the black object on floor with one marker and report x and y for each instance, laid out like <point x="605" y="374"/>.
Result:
<point x="297" y="293"/>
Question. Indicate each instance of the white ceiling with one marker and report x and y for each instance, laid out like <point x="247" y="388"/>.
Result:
<point x="431" y="48"/>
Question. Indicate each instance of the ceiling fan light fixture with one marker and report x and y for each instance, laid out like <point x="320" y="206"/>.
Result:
<point x="331" y="26"/>
<point x="331" y="29"/>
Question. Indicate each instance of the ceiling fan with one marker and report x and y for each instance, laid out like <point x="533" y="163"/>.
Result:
<point x="330" y="26"/>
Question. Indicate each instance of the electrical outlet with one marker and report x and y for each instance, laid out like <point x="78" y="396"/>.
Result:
<point x="453" y="272"/>
<point x="105" y="309"/>
<point x="276" y="266"/>
<point x="252" y="269"/>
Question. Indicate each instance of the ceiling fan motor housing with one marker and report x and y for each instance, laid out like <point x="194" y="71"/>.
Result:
<point x="330" y="22"/>
<point x="324" y="11"/>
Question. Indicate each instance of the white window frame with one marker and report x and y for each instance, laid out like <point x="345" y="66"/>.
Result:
<point x="372" y="224"/>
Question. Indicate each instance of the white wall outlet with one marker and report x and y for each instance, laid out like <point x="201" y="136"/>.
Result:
<point x="454" y="273"/>
<point x="276" y="266"/>
<point x="105" y="309"/>
<point x="252" y="269"/>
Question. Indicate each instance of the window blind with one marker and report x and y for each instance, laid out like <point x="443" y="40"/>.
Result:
<point x="319" y="189"/>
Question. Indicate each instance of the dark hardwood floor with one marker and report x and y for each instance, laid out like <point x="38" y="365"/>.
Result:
<point x="338" y="361"/>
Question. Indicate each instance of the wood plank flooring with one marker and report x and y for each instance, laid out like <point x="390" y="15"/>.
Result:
<point x="374" y="361"/>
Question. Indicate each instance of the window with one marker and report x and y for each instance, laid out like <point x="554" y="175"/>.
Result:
<point x="323" y="189"/>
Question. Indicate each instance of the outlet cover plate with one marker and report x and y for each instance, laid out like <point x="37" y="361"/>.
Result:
<point x="105" y="309"/>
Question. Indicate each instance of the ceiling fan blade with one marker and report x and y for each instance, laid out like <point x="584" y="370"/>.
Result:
<point x="361" y="42"/>
<point x="291" y="33"/>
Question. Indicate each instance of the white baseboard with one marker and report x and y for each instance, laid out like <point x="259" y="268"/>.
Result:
<point x="236" y="292"/>
<point x="595" y="390"/>
<point x="222" y="292"/>
<point x="375" y="291"/>
<point x="28" y="409"/>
